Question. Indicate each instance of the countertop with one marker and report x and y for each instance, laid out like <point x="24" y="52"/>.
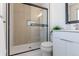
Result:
<point x="77" y="31"/>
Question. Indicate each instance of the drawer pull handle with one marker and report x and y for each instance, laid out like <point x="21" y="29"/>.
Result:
<point x="69" y="41"/>
<point x="66" y="40"/>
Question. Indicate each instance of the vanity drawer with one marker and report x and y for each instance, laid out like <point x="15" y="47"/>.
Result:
<point x="71" y="36"/>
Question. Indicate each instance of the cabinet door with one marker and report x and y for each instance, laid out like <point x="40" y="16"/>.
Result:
<point x="59" y="47"/>
<point x="72" y="49"/>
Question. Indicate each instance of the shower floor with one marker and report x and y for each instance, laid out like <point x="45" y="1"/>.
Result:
<point x="31" y="53"/>
<point x="24" y="48"/>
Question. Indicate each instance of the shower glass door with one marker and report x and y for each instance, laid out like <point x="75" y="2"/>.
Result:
<point x="28" y="27"/>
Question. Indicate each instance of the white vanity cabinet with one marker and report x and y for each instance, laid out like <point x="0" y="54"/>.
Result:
<point x="59" y="47"/>
<point x="65" y="43"/>
<point x="72" y="49"/>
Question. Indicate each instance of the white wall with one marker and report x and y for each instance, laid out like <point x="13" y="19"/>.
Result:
<point x="57" y="15"/>
<point x="2" y="30"/>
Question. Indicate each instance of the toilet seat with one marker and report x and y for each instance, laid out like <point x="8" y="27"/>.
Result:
<point x="46" y="44"/>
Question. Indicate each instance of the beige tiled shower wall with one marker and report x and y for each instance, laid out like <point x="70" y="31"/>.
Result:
<point x="22" y="33"/>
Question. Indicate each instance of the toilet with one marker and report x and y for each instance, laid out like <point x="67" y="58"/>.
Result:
<point x="46" y="48"/>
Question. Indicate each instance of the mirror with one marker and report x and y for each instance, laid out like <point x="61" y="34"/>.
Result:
<point x="27" y="27"/>
<point x="72" y="12"/>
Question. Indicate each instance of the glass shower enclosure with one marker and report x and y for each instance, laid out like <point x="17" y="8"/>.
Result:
<point x="27" y="27"/>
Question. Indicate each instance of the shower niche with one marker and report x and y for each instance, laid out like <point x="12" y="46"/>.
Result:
<point x="27" y="27"/>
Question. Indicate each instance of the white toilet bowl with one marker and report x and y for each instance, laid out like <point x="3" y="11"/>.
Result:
<point x="46" y="48"/>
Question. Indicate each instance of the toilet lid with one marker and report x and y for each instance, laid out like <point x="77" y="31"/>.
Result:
<point x="46" y="44"/>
